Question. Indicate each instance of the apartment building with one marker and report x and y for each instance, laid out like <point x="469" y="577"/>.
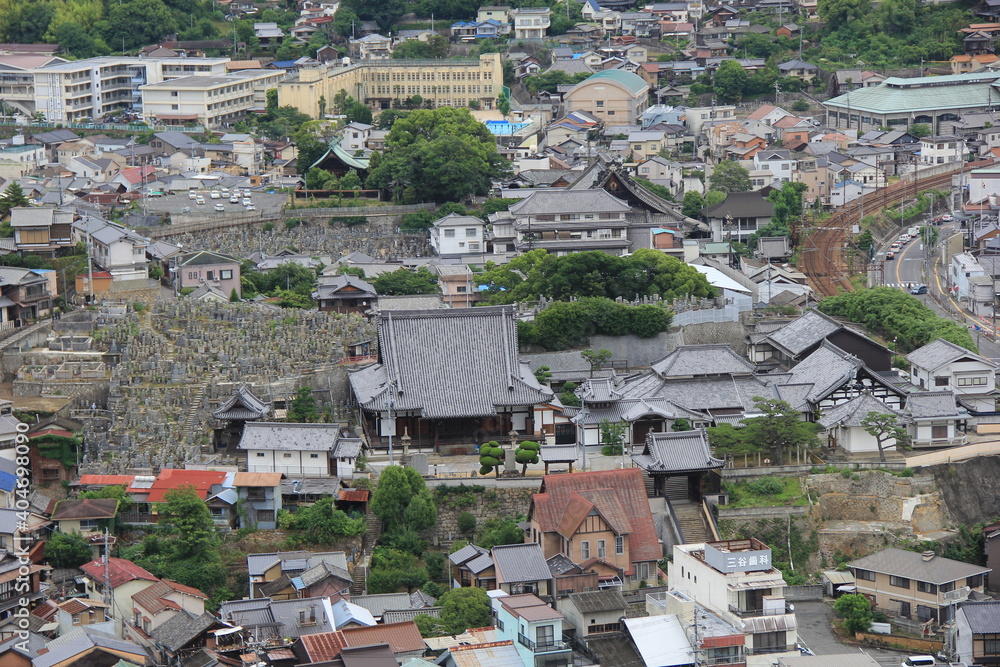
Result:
<point x="454" y="82"/>
<point x="531" y="22"/>
<point x="17" y="80"/>
<point x="212" y="101"/>
<point x="84" y="90"/>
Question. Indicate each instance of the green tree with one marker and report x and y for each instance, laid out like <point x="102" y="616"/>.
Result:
<point x="321" y="523"/>
<point x="714" y="197"/>
<point x="491" y="458"/>
<point x="397" y="489"/>
<point x="856" y="610"/>
<point x="596" y="358"/>
<point x="730" y="81"/>
<point x="692" y="204"/>
<point x="503" y="105"/>
<point x="500" y="530"/>
<point x="139" y="22"/>
<point x="67" y="550"/>
<point x="885" y="428"/>
<point x="13" y="196"/>
<point x="436" y="46"/>
<point x="779" y="428"/>
<point x="568" y="395"/>
<point x="439" y="154"/>
<point x="730" y="176"/>
<point x="464" y="608"/>
<point x="303" y="408"/>
<point x="612" y="437"/>
<point x="920" y="130"/>
<point x="404" y="281"/>
<point x="527" y="453"/>
<point x="466" y="522"/>
<point x="115" y="491"/>
<point x="350" y="181"/>
<point x="186" y="517"/>
<point x="358" y="112"/>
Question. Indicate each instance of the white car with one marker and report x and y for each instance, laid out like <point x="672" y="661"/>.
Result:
<point x="247" y="201"/>
<point x="192" y="194"/>
<point x="220" y="207"/>
<point x="234" y="200"/>
<point x="215" y="194"/>
<point x="200" y="201"/>
<point x="251" y="207"/>
<point x="225" y="192"/>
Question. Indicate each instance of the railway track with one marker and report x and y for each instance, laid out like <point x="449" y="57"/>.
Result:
<point x="823" y="248"/>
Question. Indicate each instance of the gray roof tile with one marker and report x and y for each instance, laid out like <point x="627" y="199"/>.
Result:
<point x="380" y="603"/>
<point x="700" y="360"/>
<point x="940" y="352"/>
<point x="594" y="601"/>
<point x="566" y="201"/>
<point x="518" y="563"/>
<point x="290" y="436"/>
<point x="911" y="564"/>
<point x="928" y="404"/>
<point x="430" y="372"/>
<point x="182" y="628"/>
<point x="677" y="452"/>
<point x="983" y="617"/>
<point x="854" y="411"/>
<point x="804" y="332"/>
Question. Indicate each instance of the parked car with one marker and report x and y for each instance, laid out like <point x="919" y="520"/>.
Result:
<point x="919" y="661"/>
<point x="215" y="194"/>
<point x="220" y="207"/>
<point x="234" y="200"/>
<point x="200" y="200"/>
<point x="919" y="289"/>
<point x="192" y="194"/>
<point x="947" y="218"/>
<point x="247" y="201"/>
<point x="251" y="207"/>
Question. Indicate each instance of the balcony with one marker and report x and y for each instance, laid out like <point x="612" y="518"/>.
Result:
<point x="545" y="647"/>
<point x="765" y="650"/>
<point x="751" y="613"/>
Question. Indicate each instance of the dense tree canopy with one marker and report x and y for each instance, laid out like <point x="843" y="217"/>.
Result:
<point x="405" y="281"/>
<point x="896" y="316"/>
<point x="593" y="273"/>
<point x="321" y="523"/>
<point x="437" y="155"/>
<point x="778" y="430"/>
<point x="565" y="324"/>
<point x="730" y="176"/>
<point x="402" y="500"/>
<point x="730" y="81"/>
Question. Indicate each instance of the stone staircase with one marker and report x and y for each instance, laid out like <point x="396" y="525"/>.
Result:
<point x="373" y="529"/>
<point x="197" y="401"/>
<point x="360" y="573"/>
<point x="693" y="528"/>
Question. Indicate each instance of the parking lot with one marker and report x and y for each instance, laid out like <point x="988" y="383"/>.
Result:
<point x="816" y="633"/>
<point x="264" y="203"/>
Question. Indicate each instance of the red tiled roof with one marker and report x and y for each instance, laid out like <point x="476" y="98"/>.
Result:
<point x="137" y="174"/>
<point x="186" y="590"/>
<point x="151" y="598"/>
<point x="549" y="506"/>
<point x="762" y="111"/>
<point x="788" y="121"/>
<point x="120" y="571"/>
<point x="86" y="508"/>
<point x="105" y="480"/>
<point x="76" y="605"/>
<point x="172" y="478"/>
<point x="323" y="646"/>
<point x="725" y="640"/>
<point x="49" y="430"/>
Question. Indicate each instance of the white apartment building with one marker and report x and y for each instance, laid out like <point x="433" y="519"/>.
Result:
<point x="736" y="580"/>
<point x="17" y="80"/>
<point x="531" y="22"/>
<point x="942" y="150"/>
<point x="86" y="90"/>
<point x="213" y="101"/>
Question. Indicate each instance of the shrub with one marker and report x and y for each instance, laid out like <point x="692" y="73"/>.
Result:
<point x="765" y="486"/>
<point x="466" y="523"/>
<point x="908" y="472"/>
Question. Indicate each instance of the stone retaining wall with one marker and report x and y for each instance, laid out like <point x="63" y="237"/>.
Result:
<point x="486" y="504"/>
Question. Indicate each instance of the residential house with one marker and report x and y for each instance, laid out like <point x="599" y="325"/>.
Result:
<point x="27" y="295"/>
<point x="500" y="13"/>
<point x="77" y="612"/>
<point x="595" y="612"/>
<point x="321" y="580"/>
<point x="473" y="567"/>
<point x="403" y="639"/>
<point x="307" y="450"/>
<point x="266" y="568"/>
<point x="260" y="493"/>
<point x="457" y="235"/>
<point x="86" y="645"/>
<point x="521" y="568"/>
<point x="268" y="33"/>
<point x="84" y="516"/>
<point x="119" y="580"/>
<point x="916" y="586"/>
<point x="740" y="215"/>
<point x="276" y="620"/>
<point x="115" y="249"/>
<point x="614" y="96"/>
<point x="598" y="516"/>
<point x="345" y="293"/>
<point x="977" y="633"/>
<point x="16" y="584"/>
<point x="845" y="427"/>
<point x="41" y="230"/>
<point x="459" y="287"/>
<point x="736" y="580"/>
<point x="942" y="365"/>
<point x="645" y="144"/>
<point x="936" y="419"/>
<point x="942" y="150"/>
<point x="793" y="341"/>
<point x="777" y="161"/>
<point x="846" y="191"/>
<point x="354" y="136"/>
<point x="800" y="69"/>
<point x="206" y="267"/>
<point x="531" y="22"/>
<point x="471" y="351"/>
<point x="156" y="604"/>
<point x="181" y="636"/>
<point x="535" y="628"/>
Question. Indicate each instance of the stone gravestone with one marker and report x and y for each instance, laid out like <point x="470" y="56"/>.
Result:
<point x="509" y="460"/>
<point x="419" y="463"/>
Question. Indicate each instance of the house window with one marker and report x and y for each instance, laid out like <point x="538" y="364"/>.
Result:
<point x="924" y="587"/>
<point x="88" y="524"/>
<point x="260" y="455"/>
<point x="947" y="588"/>
<point x="470" y="231"/>
<point x="265" y="516"/>
<point x="864" y="575"/>
<point x="601" y="549"/>
<point x="288" y="456"/>
<point x="991" y="644"/>
<point x="314" y="456"/>
<point x="899" y="582"/>
<point x="972" y="382"/>
<point x="226" y="274"/>
<point x="619" y="545"/>
<point x="975" y="581"/>
<point x="600" y="104"/>
<point x="585" y="550"/>
<point x="76" y="619"/>
<point x="941" y="381"/>
<point x="449" y="233"/>
<point x="460" y="289"/>
<point x="210" y="275"/>
<point x="473" y="246"/>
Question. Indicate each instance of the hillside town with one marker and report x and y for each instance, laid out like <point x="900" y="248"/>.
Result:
<point x="598" y="333"/>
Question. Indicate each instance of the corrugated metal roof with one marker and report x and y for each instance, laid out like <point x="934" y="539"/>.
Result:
<point x="518" y="563"/>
